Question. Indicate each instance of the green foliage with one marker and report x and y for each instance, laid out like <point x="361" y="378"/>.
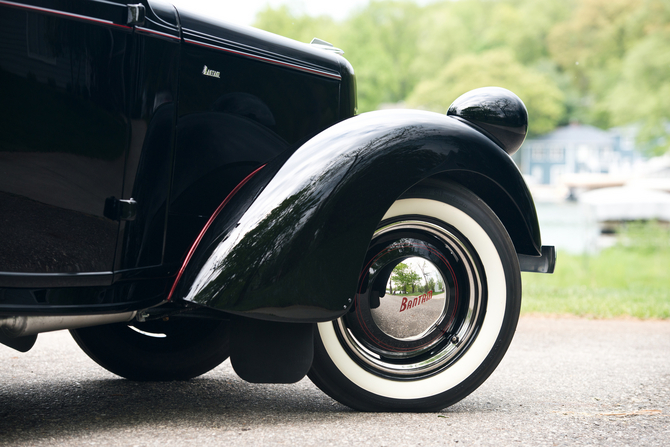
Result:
<point x="430" y="285"/>
<point x="617" y="52"/>
<point x="540" y="94"/>
<point x="405" y="278"/>
<point x="601" y="62"/>
<point x="295" y="24"/>
<point x="629" y="279"/>
<point x="647" y="238"/>
<point x="381" y="42"/>
<point x="642" y="94"/>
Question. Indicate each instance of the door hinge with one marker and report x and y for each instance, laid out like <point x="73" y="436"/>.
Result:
<point x="120" y="209"/>
<point x="136" y="14"/>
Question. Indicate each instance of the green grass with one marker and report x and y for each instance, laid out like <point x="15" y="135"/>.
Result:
<point x="631" y="279"/>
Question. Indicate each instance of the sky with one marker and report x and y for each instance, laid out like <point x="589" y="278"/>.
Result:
<point x="244" y="11"/>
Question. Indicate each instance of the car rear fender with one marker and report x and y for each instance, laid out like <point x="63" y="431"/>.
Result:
<point x="293" y="251"/>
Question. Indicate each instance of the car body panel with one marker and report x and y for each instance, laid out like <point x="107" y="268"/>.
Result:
<point x="230" y="125"/>
<point x="166" y="116"/>
<point x="296" y="251"/>
<point x="64" y="136"/>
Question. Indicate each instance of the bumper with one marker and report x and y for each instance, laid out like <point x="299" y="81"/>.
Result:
<point x="539" y="264"/>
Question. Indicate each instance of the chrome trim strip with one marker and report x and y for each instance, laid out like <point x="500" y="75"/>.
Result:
<point x="150" y="31"/>
<point x="218" y="210"/>
<point x="62" y="13"/>
<point x="267" y="59"/>
<point x="21" y="326"/>
<point x="235" y="45"/>
<point x="55" y="275"/>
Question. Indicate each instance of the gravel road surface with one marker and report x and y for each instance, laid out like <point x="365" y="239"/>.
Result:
<point x="563" y="382"/>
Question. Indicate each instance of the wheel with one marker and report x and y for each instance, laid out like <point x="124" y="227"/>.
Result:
<point x="423" y="351"/>
<point x="176" y="349"/>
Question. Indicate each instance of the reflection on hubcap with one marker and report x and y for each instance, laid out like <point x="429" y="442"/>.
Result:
<point x="414" y="300"/>
<point x="419" y="302"/>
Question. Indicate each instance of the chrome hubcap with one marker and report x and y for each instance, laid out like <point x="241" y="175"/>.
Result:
<point x="419" y="302"/>
<point x="409" y="311"/>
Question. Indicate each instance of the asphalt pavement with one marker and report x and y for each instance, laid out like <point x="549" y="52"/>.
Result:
<point x="564" y="382"/>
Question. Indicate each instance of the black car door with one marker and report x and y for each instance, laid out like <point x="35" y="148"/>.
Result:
<point x="64" y="133"/>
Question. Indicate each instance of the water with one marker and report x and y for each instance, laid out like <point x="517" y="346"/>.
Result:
<point x="570" y="227"/>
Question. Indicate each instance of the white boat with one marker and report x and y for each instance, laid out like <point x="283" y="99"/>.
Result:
<point x="628" y="203"/>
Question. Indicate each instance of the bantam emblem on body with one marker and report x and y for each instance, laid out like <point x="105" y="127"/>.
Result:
<point x="207" y="72"/>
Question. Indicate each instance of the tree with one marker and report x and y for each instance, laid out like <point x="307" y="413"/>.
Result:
<point x="493" y="68"/>
<point x="602" y="62"/>
<point x="405" y="277"/>
<point x="381" y="41"/>
<point x="293" y="23"/>
<point x="596" y="33"/>
<point x="430" y="285"/>
<point x="423" y="267"/>
<point x="641" y="94"/>
<point x="451" y="29"/>
<point x="617" y="53"/>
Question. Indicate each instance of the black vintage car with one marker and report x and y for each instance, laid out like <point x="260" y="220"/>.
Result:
<point x="176" y="190"/>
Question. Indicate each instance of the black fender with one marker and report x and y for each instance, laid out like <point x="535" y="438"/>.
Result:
<point x="293" y="251"/>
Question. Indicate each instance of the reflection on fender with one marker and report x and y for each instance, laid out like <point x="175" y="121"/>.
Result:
<point x="408" y="304"/>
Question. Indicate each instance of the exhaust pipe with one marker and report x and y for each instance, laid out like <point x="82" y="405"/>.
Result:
<point x="20" y="332"/>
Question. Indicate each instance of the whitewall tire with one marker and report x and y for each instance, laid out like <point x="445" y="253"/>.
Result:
<point x="424" y="351"/>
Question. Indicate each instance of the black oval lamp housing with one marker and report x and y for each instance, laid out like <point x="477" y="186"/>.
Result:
<point x="496" y="111"/>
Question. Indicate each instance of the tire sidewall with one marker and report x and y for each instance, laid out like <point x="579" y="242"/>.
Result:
<point x="344" y="379"/>
<point x="122" y="351"/>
